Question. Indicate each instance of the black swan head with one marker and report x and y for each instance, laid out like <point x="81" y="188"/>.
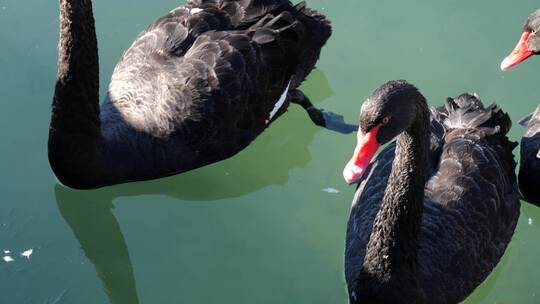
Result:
<point x="384" y="115"/>
<point x="528" y="45"/>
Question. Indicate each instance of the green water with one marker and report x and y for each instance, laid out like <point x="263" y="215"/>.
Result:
<point x="255" y="228"/>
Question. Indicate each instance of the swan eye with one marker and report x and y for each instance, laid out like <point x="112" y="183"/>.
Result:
<point x="385" y="120"/>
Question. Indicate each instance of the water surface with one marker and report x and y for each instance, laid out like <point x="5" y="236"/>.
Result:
<point x="255" y="228"/>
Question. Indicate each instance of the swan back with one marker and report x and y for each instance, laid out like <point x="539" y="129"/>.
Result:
<point x="200" y="83"/>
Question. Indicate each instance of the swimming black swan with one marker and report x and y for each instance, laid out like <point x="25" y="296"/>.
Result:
<point x="196" y="86"/>
<point x="431" y="224"/>
<point x="529" y="167"/>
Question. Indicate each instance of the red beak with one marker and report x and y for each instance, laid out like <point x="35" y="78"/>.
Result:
<point x="520" y="53"/>
<point x="366" y="148"/>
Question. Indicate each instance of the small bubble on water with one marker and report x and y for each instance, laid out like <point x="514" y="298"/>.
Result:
<point x="330" y="190"/>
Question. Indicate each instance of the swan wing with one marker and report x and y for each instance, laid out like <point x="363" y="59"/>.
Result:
<point x="472" y="203"/>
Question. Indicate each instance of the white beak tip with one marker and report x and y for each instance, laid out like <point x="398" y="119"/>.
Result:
<point x="352" y="173"/>
<point x="505" y="65"/>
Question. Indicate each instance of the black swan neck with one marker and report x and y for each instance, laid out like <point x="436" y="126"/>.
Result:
<point x="390" y="270"/>
<point x="74" y="131"/>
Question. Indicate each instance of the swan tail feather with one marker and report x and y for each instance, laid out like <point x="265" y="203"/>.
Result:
<point x="525" y="120"/>
<point x="466" y="114"/>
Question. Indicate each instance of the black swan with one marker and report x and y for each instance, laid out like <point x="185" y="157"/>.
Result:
<point x="529" y="168"/>
<point x="196" y="86"/>
<point x="431" y="224"/>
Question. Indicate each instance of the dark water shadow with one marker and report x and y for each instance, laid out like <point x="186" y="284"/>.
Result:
<point x="267" y="161"/>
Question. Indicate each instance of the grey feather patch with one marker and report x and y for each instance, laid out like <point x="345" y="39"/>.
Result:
<point x="538" y="155"/>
